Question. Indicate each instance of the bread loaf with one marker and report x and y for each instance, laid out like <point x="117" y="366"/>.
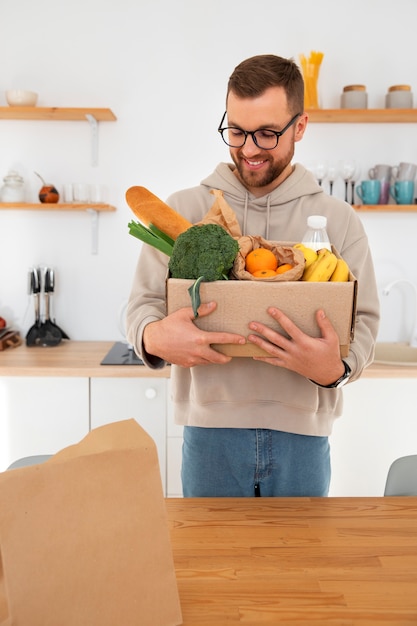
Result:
<point x="149" y="209"/>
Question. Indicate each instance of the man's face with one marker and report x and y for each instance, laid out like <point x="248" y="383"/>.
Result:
<point x="263" y="170"/>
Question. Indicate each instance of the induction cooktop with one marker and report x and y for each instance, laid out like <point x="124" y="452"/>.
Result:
<point x="121" y="354"/>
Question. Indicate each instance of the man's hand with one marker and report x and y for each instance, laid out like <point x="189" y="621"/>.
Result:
<point x="177" y="340"/>
<point x="317" y="358"/>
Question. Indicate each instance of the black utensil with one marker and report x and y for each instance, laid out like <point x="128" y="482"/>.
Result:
<point x="51" y="288"/>
<point x="50" y="333"/>
<point x="33" y="334"/>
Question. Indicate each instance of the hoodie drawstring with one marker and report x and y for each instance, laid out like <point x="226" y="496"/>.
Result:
<point x="245" y="214"/>
<point x="268" y="215"/>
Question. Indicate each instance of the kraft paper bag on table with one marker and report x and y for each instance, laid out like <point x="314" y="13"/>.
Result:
<point x="84" y="536"/>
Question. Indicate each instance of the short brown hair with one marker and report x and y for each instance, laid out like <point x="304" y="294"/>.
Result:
<point x="256" y="74"/>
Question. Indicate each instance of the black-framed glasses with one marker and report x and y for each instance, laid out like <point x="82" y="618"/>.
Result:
<point x="264" y="138"/>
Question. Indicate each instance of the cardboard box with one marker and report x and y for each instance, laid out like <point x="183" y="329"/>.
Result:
<point x="84" y="537"/>
<point x="241" y="301"/>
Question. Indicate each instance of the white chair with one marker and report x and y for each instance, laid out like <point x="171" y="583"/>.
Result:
<point x="29" y="460"/>
<point x="402" y="477"/>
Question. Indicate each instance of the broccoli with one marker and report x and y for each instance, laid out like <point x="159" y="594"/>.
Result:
<point x="206" y="251"/>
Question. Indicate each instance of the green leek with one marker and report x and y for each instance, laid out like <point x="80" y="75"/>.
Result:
<point x="152" y="236"/>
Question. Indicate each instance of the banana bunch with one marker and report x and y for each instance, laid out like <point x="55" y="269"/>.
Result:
<point x="323" y="266"/>
<point x="310" y="255"/>
<point x="341" y="272"/>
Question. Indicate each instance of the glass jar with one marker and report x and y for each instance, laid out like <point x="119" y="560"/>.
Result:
<point x="399" y="97"/>
<point x="354" y="97"/>
<point x="13" y="189"/>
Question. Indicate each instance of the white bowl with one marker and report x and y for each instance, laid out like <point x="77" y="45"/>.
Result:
<point x="22" y="98"/>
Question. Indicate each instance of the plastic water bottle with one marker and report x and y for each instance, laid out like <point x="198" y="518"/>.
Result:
<point x="316" y="236"/>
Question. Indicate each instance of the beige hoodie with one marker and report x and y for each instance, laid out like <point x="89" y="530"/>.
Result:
<point x="245" y="393"/>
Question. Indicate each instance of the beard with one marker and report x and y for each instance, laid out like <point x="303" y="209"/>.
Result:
<point x="265" y="177"/>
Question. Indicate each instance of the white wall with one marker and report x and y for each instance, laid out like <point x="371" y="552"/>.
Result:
<point x="162" y="67"/>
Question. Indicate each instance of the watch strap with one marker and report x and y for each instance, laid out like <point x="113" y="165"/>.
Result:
<point x="340" y="381"/>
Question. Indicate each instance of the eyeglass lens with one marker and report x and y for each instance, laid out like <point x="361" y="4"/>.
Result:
<point x="264" y="138"/>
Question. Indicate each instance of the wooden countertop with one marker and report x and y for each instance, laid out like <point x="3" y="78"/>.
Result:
<point x="82" y="358"/>
<point x="70" y="358"/>
<point x="298" y="561"/>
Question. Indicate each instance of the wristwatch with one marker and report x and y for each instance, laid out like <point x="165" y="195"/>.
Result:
<point x="340" y="381"/>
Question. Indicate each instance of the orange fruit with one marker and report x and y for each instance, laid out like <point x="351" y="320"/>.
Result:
<point x="264" y="273"/>
<point x="260" y="259"/>
<point x="284" y="268"/>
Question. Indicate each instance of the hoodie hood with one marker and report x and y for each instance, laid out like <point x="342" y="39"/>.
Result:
<point x="300" y="182"/>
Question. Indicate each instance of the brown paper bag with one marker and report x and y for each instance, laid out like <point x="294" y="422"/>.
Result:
<point x="84" y="537"/>
<point x="283" y="253"/>
<point x="222" y="213"/>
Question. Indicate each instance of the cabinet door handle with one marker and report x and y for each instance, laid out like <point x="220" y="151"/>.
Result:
<point x="150" y="393"/>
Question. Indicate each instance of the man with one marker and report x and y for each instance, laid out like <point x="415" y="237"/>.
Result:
<point x="258" y="426"/>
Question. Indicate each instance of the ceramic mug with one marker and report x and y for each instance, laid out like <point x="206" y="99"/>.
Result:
<point x="385" y="191"/>
<point x="81" y="192"/>
<point x="369" y="191"/>
<point x="68" y="192"/>
<point x="403" y="191"/>
<point x="405" y="171"/>
<point x="380" y="172"/>
<point x="97" y="193"/>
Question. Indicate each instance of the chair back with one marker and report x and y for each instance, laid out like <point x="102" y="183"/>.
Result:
<point x="29" y="460"/>
<point x="402" y="477"/>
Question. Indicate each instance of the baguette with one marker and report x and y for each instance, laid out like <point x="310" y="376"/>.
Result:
<point x="151" y="210"/>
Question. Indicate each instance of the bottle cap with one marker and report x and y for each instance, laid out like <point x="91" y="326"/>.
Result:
<point x="317" y="221"/>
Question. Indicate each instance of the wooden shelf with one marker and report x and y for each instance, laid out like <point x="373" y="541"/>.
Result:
<point x="387" y="208"/>
<point x="39" y="206"/>
<point x="365" y="116"/>
<point x="55" y="113"/>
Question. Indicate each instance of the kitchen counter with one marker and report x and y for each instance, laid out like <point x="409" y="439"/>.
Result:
<point x="82" y="358"/>
<point x="70" y="358"/>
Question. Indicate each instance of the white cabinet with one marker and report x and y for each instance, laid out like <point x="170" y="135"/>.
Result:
<point x="379" y="424"/>
<point x="144" y="399"/>
<point x="174" y="458"/>
<point x="174" y="451"/>
<point x="41" y="415"/>
<point x="44" y="413"/>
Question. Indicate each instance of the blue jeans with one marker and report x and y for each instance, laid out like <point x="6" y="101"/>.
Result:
<point x="231" y="462"/>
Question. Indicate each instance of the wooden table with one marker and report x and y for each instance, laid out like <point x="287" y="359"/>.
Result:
<point x="296" y="561"/>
